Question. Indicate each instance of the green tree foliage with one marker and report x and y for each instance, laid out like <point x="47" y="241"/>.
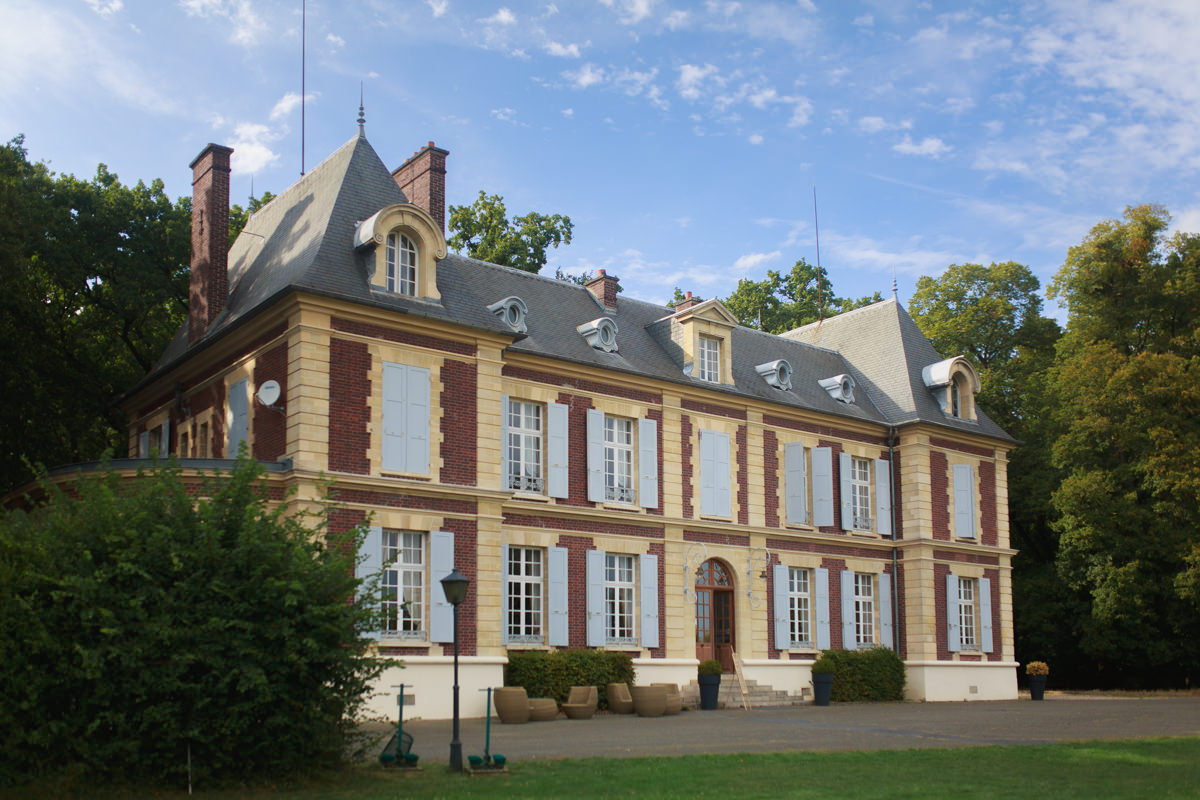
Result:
<point x="782" y="302"/>
<point x="484" y="231"/>
<point x="138" y="624"/>
<point x="95" y="285"/>
<point x="993" y="316"/>
<point x="1127" y="377"/>
<point x="238" y="216"/>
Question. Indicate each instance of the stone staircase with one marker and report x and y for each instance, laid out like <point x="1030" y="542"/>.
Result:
<point x="731" y="696"/>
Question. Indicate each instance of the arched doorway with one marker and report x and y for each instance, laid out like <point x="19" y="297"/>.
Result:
<point x="714" y="613"/>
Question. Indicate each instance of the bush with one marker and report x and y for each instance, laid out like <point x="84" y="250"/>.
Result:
<point x="872" y="675"/>
<point x="552" y="674"/>
<point x="710" y="667"/>
<point x="140" y="626"/>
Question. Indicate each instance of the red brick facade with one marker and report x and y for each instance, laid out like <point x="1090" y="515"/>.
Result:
<point x="270" y="424"/>
<point x="459" y="423"/>
<point x="349" y="413"/>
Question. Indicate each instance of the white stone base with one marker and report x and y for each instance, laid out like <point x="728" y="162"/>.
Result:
<point x="429" y="680"/>
<point x="938" y="681"/>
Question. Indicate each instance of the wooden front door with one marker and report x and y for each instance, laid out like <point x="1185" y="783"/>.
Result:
<point x="714" y="613"/>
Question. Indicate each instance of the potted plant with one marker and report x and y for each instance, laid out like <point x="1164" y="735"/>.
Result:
<point x="822" y="678"/>
<point x="1037" y="672"/>
<point x="708" y="675"/>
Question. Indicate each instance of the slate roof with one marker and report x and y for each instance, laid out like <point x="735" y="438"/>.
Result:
<point x="303" y="240"/>
<point x="886" y="352"/>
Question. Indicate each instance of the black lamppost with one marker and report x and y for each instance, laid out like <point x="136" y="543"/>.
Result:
<point x="455" y="586"/>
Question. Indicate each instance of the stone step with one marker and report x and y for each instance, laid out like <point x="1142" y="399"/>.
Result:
<point x="730" y="696"/>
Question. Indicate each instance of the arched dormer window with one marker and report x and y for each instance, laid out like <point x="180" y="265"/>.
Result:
<point x="401" y="260"/>
<point x="954" y="383"/>
<point x="956" y="404"/>
<point x="404" y="245"/>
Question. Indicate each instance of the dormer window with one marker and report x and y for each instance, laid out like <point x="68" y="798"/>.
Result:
<point x="953" y="383"/>
<point x="401" y="264"/>
<point x="956" y="396"/>
<point x="840" y="388"/>
<point x="709" y="359"/>
<point x="600" y="333"/>
<point x="777" y="374"/>
<point x="512" y="310"/>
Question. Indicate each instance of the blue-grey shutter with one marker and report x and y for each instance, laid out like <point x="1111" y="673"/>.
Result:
<point x="368" y="564"/>
<point x="783" y="628"/>
<point x="557" y="450"/>
<point x="595" y="455"/>
<point x="558" y="630"/>
<point x="985" y="615"/>
<point x="822" y="475"/>
<point x="144" y="444"/>
<point x="503" y="593"/>
<point x="883" y="497"/>
<point x="847" y="578"/>
<point x="953" y="635"/>
<point x="964" y="501"/>
<point x="393" y="418"/>
<point x="164" y="441"/>
<point x="721" y="446"/>
<point x="595" y="598"/>
<point x="416" y="428"/>
<point x="239" y="413"/>
<point x="648" y="569"/>
<point x="504" y="449"/>
<point x="795" y="491"/>
<point x="885" y="611"/>
<point x="708" y="472"/>
<point x="648" y="463"/>
<point x="441" y="564"/>
<point x="821" y="574"/>
<point x="714" y="474"/>
<point x="845" y="465"/>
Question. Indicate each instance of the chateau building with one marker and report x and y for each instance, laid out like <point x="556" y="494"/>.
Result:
<point x="607" y="472"/>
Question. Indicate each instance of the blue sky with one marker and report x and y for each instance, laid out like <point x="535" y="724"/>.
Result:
<point x="684" y="139"/>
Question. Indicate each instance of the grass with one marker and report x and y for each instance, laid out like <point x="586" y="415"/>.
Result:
<point x="1163" y="768"/>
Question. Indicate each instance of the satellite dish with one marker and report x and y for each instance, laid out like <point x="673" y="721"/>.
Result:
<point x="268" y="393"/>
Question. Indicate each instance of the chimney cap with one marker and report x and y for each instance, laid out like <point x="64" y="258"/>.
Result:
<point x="210" y="147"/>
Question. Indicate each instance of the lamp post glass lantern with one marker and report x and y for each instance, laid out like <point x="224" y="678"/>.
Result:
<point x="455" y="586"/>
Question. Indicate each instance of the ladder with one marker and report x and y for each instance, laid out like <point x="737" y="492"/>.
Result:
<point x="741" y="676"/>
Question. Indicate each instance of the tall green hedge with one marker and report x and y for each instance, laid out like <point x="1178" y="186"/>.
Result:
<point x="140" y="626"/>
<point x="552" y="674"/>
<point x="876" y="674"/>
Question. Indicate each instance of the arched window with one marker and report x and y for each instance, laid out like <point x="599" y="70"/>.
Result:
<point x="401" y="264"/>
<point x="956" y="387"/>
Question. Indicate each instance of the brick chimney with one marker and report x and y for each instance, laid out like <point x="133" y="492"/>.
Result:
<point x="687" y="302"/>
<point x="423" y="180"/>
<point x="210" y="239"/>
<point x="604" y="286"/>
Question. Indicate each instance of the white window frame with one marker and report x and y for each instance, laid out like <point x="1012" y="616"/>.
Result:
<point x="800" y="608"/>
<point x="401" y="264"/>
<point x="860" y="494"/>
<point x="620" y="599"/>
<point x="525" y="603"/>
<point x="525" y="446"/>
<point x="709" y="359"/>
<point x="968" y="614"/>
<point x="619" y="469"/>
<point x="403" y="589"/>
<point x="865" y="628"/>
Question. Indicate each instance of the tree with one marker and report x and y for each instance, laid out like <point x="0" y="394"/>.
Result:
<point x="484" y="231"/>
<point x="1127" y="373"/>
<point x="95" y="277"/>
<point x="142" y="630"/>
<point x="782" y="302"/>
<point x="992" y="315"/>
<point x="238" y="216"/>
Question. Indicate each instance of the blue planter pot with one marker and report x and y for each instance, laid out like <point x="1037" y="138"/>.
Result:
<point x="710" y="690"/>
<point x="822" y="688"/>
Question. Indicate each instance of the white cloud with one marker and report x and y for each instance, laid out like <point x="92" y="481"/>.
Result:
<point x="438" y="7"/>
<point x="251" y="145"/>
<point x="286" y="105"/>
<point x="248" y="25"/>
<point x="753" y="260"/>
<point x="862" y="252"/>
<point x="676" y="20"/>
<point x="864" y="21"/>
<point x="563" y="50"/>
<point x="587" y="75"/>
<point x="631" y="12"/>
<point x="930" y="146"/>
<point x="105" y="8"/>
<point x="504" y="114"/>
<point x="335" y="40"/>
<point x="878" y="124"/>
<point x="501" y="17"/>
<point x="755" y="138"/>
<point x="568" y="112"/>
<point x="691" y="78"/>
<point x="551" y="10"/>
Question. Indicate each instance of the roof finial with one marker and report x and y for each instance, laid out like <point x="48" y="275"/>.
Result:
<point x="895" y="291"/>
<point x="362" y="120"/>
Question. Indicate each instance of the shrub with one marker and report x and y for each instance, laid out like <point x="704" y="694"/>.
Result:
<point x="552" y="674"/>
<point x="710" y="667"/>
<point x="823" y="666"/>
<point x="140" y="626"/>
<point x="1037" y="668"/>
<point x="873" y="675"/>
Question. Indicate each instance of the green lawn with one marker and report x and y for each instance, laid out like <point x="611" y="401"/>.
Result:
<point x="1159" y="768"/>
